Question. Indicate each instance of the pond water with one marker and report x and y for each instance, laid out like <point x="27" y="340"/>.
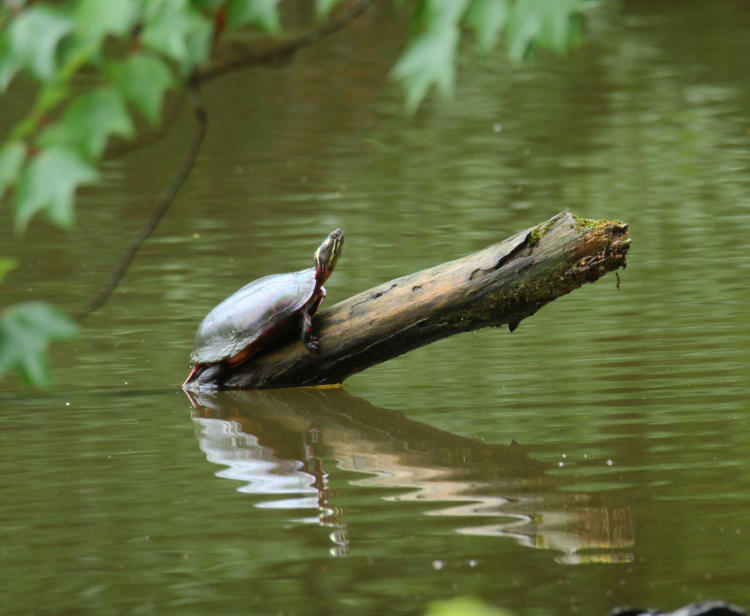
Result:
<point x="597" y="456"/>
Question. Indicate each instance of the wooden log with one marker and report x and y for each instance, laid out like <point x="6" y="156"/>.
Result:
<point x="500" y="285"/>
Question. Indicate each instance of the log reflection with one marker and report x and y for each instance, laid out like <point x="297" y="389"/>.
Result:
<point x="288" y="443"/>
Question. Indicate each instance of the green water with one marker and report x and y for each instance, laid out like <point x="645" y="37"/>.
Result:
<point x="595" y="457"/>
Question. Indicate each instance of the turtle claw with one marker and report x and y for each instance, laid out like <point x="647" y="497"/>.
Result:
<point x="312" y="344"/>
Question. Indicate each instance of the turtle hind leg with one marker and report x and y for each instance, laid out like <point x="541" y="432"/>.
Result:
<point x="209" y="378"/>
<point x="205" y="377"/>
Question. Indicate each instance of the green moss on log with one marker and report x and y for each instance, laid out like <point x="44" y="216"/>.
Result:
<point x="590" y="223"/>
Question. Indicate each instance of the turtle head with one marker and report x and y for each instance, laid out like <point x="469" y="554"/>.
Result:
<point x="327" y="255"/>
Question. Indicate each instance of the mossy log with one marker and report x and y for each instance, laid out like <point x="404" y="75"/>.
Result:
<point x="500" y="285"/>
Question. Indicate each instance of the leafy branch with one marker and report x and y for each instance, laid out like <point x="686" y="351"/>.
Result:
<point x="105" y="68"/>
<point x="437" y="25"/>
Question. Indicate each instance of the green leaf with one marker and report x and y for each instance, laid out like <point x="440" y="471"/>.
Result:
<point x="12" y="155"/>
<point x="88" y="122"/>
<point x="48" y="184"/>
<point x="199" y="45"/>
<point x="323" y="7"/>
<point x="563" y="29"/>
<point x="262" y="13"/>
<point x="487" y="18"/>
<point x="178" y="31"/>
<point x="431" y="55"/>
<point x="9" y="62"/>
<point x="464" y="606"/>
<point x="142" y="80"/>
<point x="6" y="265"/>
<point x="33" y="38"/>
<point x="25" y="333"/>
<point x="544" y="24"/>
<point x="96" y="19"/>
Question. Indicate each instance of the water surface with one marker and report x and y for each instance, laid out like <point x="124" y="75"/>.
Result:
<point x="594" y="457"/>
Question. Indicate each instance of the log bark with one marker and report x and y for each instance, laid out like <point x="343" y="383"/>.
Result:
<point x="500" y="285"/>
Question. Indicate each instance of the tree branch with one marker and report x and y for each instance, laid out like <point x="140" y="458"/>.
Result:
<point x="500" y="285"/>
<point x="278" y="51"/>
<point x="271" y="53"/>
<point x="162" y="205"/>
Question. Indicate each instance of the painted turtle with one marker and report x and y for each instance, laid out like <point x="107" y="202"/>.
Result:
<point x="260" y="314"/>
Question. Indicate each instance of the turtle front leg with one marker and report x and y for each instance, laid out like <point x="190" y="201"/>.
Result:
<point x="311" y="342"/>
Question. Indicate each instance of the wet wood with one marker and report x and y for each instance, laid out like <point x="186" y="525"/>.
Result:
<point x="500" y="285"/>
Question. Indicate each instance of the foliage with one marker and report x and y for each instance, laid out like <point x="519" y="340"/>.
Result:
<point x="100" y="66"/>
<point x="463" y="606"/>
<point x="25" y="331"/>
<point x="430" y="58"/>
<point x="137" y="50"/>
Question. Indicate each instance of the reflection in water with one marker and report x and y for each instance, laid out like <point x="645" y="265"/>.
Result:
<point x="280" y="443"/>
<point x="249" y="461"/>
<point x="302" y="484"/>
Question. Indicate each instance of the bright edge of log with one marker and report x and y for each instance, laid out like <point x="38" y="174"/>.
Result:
<point x="500" y="285"/>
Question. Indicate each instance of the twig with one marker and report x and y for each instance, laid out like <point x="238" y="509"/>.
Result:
<point x="285" y="49"/>
<point x="162" y="205"/>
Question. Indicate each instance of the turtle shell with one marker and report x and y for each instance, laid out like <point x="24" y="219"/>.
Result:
<point x="259" y="308"/>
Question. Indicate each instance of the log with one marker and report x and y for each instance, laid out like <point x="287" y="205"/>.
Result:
<point x="500" y="285"/>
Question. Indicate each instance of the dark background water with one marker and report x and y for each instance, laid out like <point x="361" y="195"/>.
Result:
<point x="596" y="456"/>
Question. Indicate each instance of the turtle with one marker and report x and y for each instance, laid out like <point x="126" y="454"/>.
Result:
<point x="261" y="314"/>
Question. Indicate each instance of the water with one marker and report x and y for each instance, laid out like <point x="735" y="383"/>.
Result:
<point x="594" y="457"/>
